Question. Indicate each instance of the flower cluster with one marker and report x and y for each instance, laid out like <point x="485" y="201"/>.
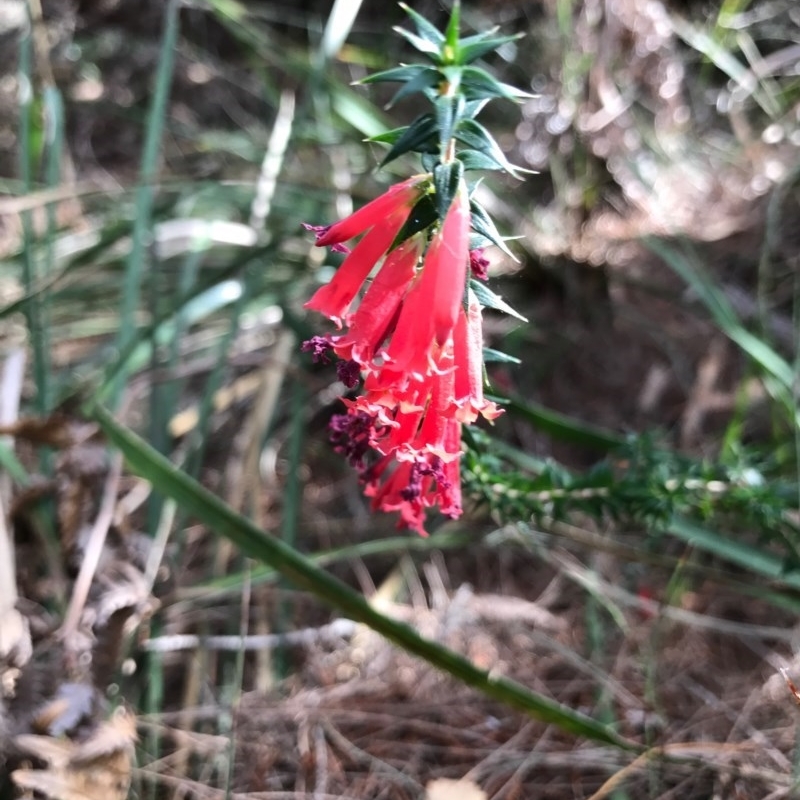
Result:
<point x="415" y="343"/>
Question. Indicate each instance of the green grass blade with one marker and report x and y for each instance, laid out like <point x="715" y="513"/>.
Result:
<point x="144" y="195"/>
<point x="685" y="265"/>
<point x="743" y="555"/>
<point x="29" y="157"/>
<point x="197" y="308"/>
<point x="257" y="544"/>
<point x="562" y="427"/>
<point x="54" y="121"/>
<point x="722" y="59"/>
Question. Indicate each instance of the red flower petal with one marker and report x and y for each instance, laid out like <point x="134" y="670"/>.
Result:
<point x="448" y="256"/>
<point x="401" y="195"/>
<point x="372" y="322"/>
<point x="468" y="355"/>
<point x="430" y="310"/>
<point x="335" y="297"/>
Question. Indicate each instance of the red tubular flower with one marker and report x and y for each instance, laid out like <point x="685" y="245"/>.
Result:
<point x="335" y="297"/>
<point x="444" y="277"/>
<point x="430" y="310"/>
<point x="468" y="354"/>
<point x="380" y="222"/>
<point x="414" y="486"/>
<point x="372" y="322"/>
<point x="435" y="434"/>
<point x="401" y="195"/>
<point x="418" y="351"/>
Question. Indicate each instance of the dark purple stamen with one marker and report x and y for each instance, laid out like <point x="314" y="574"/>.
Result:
<point x="414" y="488"/>
<point x="349" y="373"/>
<point x="437" y="471"/>
<point x="319" y="347"/>
<point x="420" y="470"/>
<point x="351" y="435"/>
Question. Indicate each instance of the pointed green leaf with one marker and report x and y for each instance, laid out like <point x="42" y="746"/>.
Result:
<point x="424" y="28"/>
<point x="446" y="179"/>
<point x="482" y="224"/>
<point x="423" y="45"/>
<point x="474" y="107"/>
<point x="404" y="73"/>
<point x="479" y="37"/>
<point x="422" y="216"/>
<point x="477" y="83"/>
<point x="426" y="79"/>
<point x="387" y="137"/>
<point x="496" y="356"/>
<point x="474" y="135"/>
<point x="476" y="241"/>
<point x="474" y="159"/>
<point x="420" y="137"/>
<point x="474" y="47"/>
<point x="488" y="299"/>
<point x="451" y="54"/>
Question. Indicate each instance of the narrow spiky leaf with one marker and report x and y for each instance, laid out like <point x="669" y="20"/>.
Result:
<point x="474" y="107"/>
<point x="451" y="34"/>
<point x="488" y="299"/>
<point x="475" y="159"/>
<point x="423" y="45"/>
<point x="474" y="135"/>
<point x="477" y="83"/>
<point x="387" y="137"/>
<point x="422" y="216"/>
<point x="405" y="73"/>
<point x="482" y="224"/>
<point x="474" y="47"/>
<point x="446" y="180"/>
<point x="420" y="136"/>
<point x="426" y="79"/>
<point x="496" y="356"/>
<point x="424" y="28"/>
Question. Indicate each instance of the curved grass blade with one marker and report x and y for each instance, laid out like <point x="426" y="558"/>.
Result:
<point x="753" y="559"/>
<point x="720" y="308"/>
<point x="562" y="427"/>
<point x="257" y="544"/>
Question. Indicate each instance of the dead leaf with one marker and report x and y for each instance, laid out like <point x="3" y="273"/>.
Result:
<point x="98" y="768"/>
<point x="446" y="789"/>
<point x="73" y="703"/>
<point x="80" y="473"/>
<point x="55" y="431"/>
<point x="15" y="649"/>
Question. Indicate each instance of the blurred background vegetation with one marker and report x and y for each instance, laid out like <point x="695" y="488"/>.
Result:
<point x="630" y="548"/>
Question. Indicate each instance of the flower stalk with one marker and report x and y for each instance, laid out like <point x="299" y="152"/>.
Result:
<point x="413" y="345"/>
